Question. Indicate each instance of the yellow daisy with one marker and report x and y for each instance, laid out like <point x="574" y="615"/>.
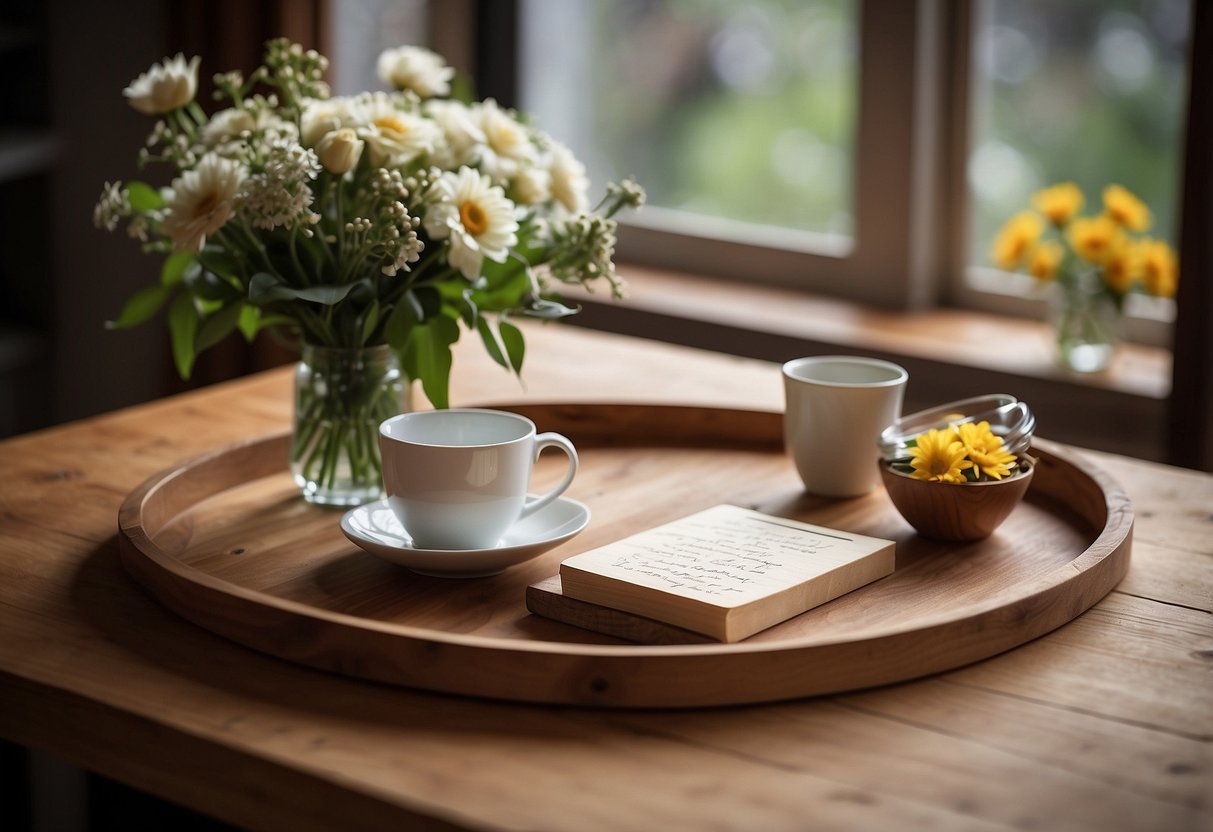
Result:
<point x="1044" y="260"/>
<point x="986" y="449"/>
<point x="1123" y="267"/>
<point x="1016" y="238"/>
<point x="938" y="457"/>
<point x="1093" y="238"/>
<point x="1125" y="208"/>
<point x="1059" y="203"/>
<point x="1159" y="267"/>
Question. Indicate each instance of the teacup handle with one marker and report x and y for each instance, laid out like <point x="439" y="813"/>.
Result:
<point x="549" y="440"/>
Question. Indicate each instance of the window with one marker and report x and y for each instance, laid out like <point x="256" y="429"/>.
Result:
<point x="862" y="148"/>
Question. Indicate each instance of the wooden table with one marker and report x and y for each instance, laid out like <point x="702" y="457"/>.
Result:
<point x="1106" y="723"/>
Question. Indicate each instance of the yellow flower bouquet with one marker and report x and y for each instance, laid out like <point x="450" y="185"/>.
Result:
<point x="1093" y="263"/>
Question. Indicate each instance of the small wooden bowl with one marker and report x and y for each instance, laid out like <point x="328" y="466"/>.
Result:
<point x="954" y="511"/>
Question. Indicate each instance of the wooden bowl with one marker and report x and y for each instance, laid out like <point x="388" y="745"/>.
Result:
<point x="954" y="511"/>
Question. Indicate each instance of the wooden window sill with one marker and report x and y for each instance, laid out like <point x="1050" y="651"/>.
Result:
<point x="949" y="353"/>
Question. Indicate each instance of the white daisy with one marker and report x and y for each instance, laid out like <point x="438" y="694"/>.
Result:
<point x="506" y="142"/>
<point x="459" y="126"/>
<point x="532" y="186"/>
<point x="570" y="185"/>
<point x="201" y="200"/>
<point x="393" y="136"/>
<point x="413" y="68"/>
<point x="166" y="86"/>
<point x="477" y="217"/>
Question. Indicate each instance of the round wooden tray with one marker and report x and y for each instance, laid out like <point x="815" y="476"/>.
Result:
<point x="226" y="541"/>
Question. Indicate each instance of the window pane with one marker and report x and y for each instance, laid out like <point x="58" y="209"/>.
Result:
<point x="1089" y="91"/>
<point x="361" y="29"/>
<point x="738" y="111"/>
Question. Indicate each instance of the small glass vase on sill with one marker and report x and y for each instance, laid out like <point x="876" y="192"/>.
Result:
<point x="1086" y="323"/>
<point x="341" y="397"/>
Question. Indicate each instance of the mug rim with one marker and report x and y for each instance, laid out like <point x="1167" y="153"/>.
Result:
<point x="900" y="374"/>
<point x="384" y="426"/>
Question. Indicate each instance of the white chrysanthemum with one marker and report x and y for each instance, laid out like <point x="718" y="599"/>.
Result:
<point x="201" y="200"/>
<point x="322" y="116"/>
<point x="532" y="186"/>
<point x="461" y="130"/>
<point x="477" y="217"/>
<point x="413" y="68"/>
<point x="570" y="185"/>
<point x="393" y="136"/>
<point x="506" y="142"/>
<point x="228" y="124"/>
<point x="166" y="86"/>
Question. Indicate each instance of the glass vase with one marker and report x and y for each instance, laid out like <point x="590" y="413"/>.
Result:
<point x="1086" y="325"/>
<point x="341" y="397"/>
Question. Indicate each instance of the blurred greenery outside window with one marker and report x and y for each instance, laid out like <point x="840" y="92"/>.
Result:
<point x="740" y="118"/>
<point x="742" y="114"/>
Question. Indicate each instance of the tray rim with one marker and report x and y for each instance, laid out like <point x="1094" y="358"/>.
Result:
<point x="165" y="575"/>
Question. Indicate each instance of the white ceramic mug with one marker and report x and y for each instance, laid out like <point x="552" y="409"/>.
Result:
<point x="457" y="479"/>
<point x="835" y="408"/>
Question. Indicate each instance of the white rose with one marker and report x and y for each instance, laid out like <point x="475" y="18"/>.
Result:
<point x="164" y="87"/>
<point x="339" y="151"/>
<point x="413" y="68"/>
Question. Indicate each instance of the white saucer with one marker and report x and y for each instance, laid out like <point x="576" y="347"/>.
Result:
<point x="374" y="528"/>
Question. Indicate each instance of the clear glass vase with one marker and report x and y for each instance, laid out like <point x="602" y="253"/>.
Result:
<point x="341" y="396"/>
<point x="1086" y="325"/>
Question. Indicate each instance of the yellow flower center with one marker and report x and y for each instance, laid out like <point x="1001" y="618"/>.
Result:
<point x="474" y="220"/>
<point x="204" y="206"/>
<point x="392" y="123"/>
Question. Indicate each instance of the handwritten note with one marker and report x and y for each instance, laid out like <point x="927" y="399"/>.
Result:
<point x="727" y="572"/>
<point x="726" y="555"/>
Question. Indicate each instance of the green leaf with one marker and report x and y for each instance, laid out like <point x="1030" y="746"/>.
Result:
<point x="490" y="341"/>
<point x="206" y="285"/>
<point x="183" y="327"/>
<point x="369" y="322"/>
<point x="219" y="260"/>
<point x="548" y="310"/>
<point x="218" y="326"/>
<point x="266" y="288"/>
<point x="400" y="322"/>
<point x="253" y="320"/>
<point x="174" y="268"/>
<point x="429" y="356"/>
<point x="462" y="89"/>
<point x="515" y="345"/>
<point x="250" y="321"/>
<point x="505" y="290"/>
<point x="139" y="307"/>
<point x="143" y="197"/>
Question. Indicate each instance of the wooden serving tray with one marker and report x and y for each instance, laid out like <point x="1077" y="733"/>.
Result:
<point x="226" y="541"/>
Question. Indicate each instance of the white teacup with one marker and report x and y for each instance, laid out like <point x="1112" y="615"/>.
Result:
<point x="457" y="479"/>
<point x="836" y="407"/>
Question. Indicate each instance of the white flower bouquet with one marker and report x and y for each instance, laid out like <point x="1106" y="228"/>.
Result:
<point x="385" y="218"/>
